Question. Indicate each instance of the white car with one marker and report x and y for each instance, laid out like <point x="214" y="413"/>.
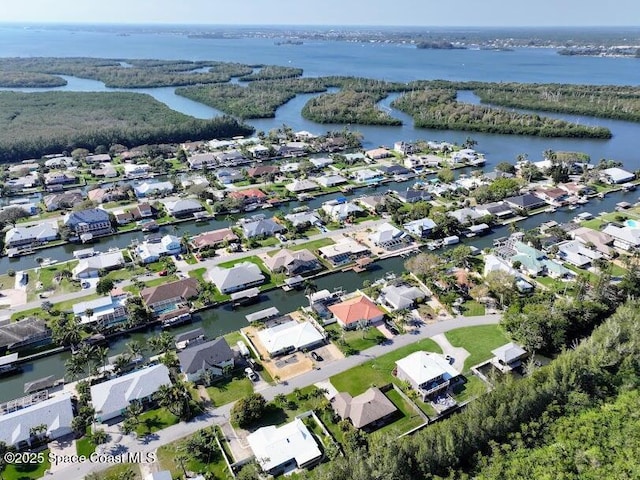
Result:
<point x="251" y="375"/>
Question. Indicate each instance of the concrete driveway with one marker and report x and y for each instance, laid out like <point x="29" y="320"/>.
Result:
<point x="458" y="354"/>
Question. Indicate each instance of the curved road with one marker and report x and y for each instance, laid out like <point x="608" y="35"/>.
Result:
<point x="127" y="444"/>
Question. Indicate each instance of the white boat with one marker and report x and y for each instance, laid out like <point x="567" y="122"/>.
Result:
<point x="47" y="261"/>
<point x="571" y="207"/>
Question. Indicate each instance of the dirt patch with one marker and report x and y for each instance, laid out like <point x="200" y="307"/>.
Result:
<point x="13" y="297"/>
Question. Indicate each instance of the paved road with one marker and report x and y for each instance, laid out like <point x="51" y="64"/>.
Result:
<point x="220" y="415"/>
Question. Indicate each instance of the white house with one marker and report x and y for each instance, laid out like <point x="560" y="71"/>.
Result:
<point x="303" y="185"/>
<point x="132" y="170"/>
<point x="616" y="175"/>
<point x="182" y="207"/>
<point x="366" y="175"/>
<point x="399" y="297"/>
<point x="330" y="180"/>
<point x="625" y="238"/>
<point x="152" y="251"/>
<point x="428" y="373"/>
<point x="55" y="412"/>
<point x="90" y="267"/>
<point x="148" y="189"/>
<point x="388" y="237"/>
<point x="509" y="356"/>
<point x="111" y="398"/>
<point x="240" y="276"/>
<point x="289" y="337"/>
<point x="421" y="228"/>
<point x="40" y="233"/>
<point x="340" y="211"/>
<point x="278" y="448"/>
<point x="106" y="310"/>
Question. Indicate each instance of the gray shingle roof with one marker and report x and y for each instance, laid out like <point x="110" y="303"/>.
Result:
<point x="204" y="355"/>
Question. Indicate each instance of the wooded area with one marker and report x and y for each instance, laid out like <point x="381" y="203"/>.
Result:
<point x="437" y="109"/>
<point x="35" y="124"/>
<point x="348" y="106"/>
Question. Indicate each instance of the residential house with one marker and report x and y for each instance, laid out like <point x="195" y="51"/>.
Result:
<point x="288" y="337"/>
<point x="344" y="251"/>
<point x="293" y="149"/>
<point x="328" y="181"/>
<point x="105" y="311"/>
<point x="429" y="374"/>
<point x="575" y="189"/>
<point x="227" y="176"/>
<point x="169" y="295"/>
<point x="92" y="267"/>
<point x="153" y="249"/>
<point x="24" y="167"/>
<point x="616" y="175"/>
<point x="239" y="277"/>
<point x="600" y="241"/>
<point x="259" y="151"/>
<point x="104" y="195"/>
<point x="366" y="175"/>
<point x="577" y="253"/>
<point x="389" y="237"/>
<point x="151" y="189"/>
<point x="625" y="238"/>
<point x="213" y="356"/>
<point x="372" y="203"/>
<point x="22" y="183"/>
<point x="508" y="357"/>
<point x="202" y="161"/>
<point x="553" y="196"/>
<point x="340" y="211"/>
<point x="262" y="171"/>
<point x="111" y="398"/>
<point x="420" y="228"/>
<point x="142" y="210"/>
<point x="465" y="215"/>
<point x="123" y="218"/>
<point x="213" y="239"/>
<point x="194" y="180"/>
<point x="411" y="195"/>
<point x="420" y="162"/>
<point x="367" y="411"/>
<point x="353" y="158"/>
<point x="30" y="208"/>
<point x="401" y="297"/>
<point x="495" y="209"/>
<point x="59" y="162"/>
<point x="525" y="202"/>
<point x="278" y="449"/>
<point x="104" y="170"/>
<point x="59" y="178"/>
<point x="249" y="195"/>
<point x="303" y="185"/>
<point x="18" y="420"/>
<point x="534" y="262"/>
<point x="356" y="311"/>
<point x="404" y="148"/>
<point x="378" y="153"/>
<point x="302" y="220"/>
<point x="32" y="235"/>
<point x="299" y="262"/>
<point x="95" y="221"/>
<point x="136" y="170"/>
<point x="182" y="207"/>
<point x="265" y="227"/>
<point x="230" y="158"/>
<point x="493" y="263"/>
<point x="57" y="201"/>
<point x="320" y="162"/>
<point x="98" y="158"/>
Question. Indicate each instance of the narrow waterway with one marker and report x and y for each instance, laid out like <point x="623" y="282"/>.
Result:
<point x="221" y="320"/>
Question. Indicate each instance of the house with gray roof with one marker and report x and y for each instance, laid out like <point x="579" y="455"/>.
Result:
<point x="213" y="356"/>
<point x="182" y="207"/>
<point x="525" y="202"/>
<point x="508" y="357"/>
<point x="239" y="277"/>
<point x="367" y="411"/>
<point x="411" y="195"/>
<point x="339" y="211"/>
<point x="91" y="267"/>
<point x="19" y="236"/>
<point x="55" y="412"/>
<point x="465" y="215"/>
<point x="93" y="220"/>
<point x="330" y="180"/>
<point x="200" y="161"/>
<point x="303" y="185"/>
<point x="303" y="219"/>
<point x="266" y="227"/>
<point x="400" y="297"/>
<point x="111" y="398"/>
<point x="291" y="262"/>
<point x="57" y="201"/>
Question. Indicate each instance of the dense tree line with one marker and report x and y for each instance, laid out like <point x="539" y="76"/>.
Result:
<point x="621" y="103"/>
<point x="30" y="80"/>
<point x="35" y="124"/>
<point x="428" y="112"/>
<point x="272" y="72"/>
<point x="595" y="371"/>
<point x="130" y="73"/>
<point x="348" y="106"/>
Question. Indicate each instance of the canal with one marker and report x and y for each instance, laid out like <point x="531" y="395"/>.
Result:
<point x="224" y="319"/>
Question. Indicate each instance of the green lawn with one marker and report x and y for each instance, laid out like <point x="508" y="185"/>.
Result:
<point x="354" y="340"/>
<point x="125" y="273"/>
<point x="44" y="277"/>
<point x="473" y="387"/>
<point x="408" y="418"/>
<point x="594" y="223"/>
<point x="269" y="242"/>
<point x="314" y="245"/>
<point x="167" y="460"/>
<point x="198" y="273"/>
<point x="230" y="390"/>
<point x="471" y="308"/>
<point x="478" y="341"/>
<point x="365" y="218"/>
<point x="378" y="371"/>
<point x="233" y="337"/>
<point x="271" y="279"/>
<point x="190" y="259"/>
<point x="155" y="420"/>
<point x="120" y="471"/>
<point x="25" y="471"/>
<point x="84" y="446"/>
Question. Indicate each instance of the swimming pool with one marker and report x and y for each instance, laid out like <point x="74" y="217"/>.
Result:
<point x="631" y="224"/>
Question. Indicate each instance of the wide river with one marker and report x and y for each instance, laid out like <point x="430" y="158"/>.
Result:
<point x="318" y="58"/>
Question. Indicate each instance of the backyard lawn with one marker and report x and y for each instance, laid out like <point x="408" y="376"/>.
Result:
<point x="471" y="308"/>
<point x="478" y="341"/>
<point x="25" y="471"/>
<point x="230" y="390"/>
<point x="167" y="460"/>
<point x="408" y="418"/>
<point x="378" y="371"/>
<point x="155" y="420"/>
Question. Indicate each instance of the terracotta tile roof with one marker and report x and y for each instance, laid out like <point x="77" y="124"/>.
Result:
<point x="248" y="193"/>
<point x="356" y="309"/>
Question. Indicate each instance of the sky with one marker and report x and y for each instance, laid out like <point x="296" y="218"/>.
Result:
<point x="328" y="12"/>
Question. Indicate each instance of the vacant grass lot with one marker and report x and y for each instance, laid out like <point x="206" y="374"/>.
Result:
<point x="478" y="341"/>
<point x="471" y="308"/>
<point x="230" y="390"/>
<point x="167" y="459"/>
<point x="155" y="420"/>
<point x="378" y="371"/>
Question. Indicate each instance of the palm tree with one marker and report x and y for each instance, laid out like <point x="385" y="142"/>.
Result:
<point x="75" y="367"/>
<point x="121" y="363"/>
<point x="310" y="288"/>
<point x="100" y="357"/>
<point x="161" y="343"/>
<point x="134" y="348"/>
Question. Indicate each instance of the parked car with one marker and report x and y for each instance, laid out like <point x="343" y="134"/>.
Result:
<point x="163" y="273"/>
<point x="251" y="375"/>
<point x="316" y="357"/>
<point x="449" y="359"/>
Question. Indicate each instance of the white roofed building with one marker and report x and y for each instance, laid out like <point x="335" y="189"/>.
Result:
<point x="429" y="374"/>
<point x="289" y="337"/>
